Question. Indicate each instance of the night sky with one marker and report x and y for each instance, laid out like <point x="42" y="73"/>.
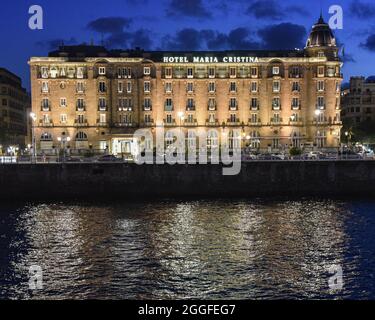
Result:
<point x="183" y="25"/>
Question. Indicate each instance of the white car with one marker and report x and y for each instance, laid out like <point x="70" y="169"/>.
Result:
<point x="314" y="155"/>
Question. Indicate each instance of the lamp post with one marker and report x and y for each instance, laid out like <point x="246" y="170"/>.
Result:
<point x="181" y="117"/>
<point x="33" y="141"/>
<point x="63" y="141"/>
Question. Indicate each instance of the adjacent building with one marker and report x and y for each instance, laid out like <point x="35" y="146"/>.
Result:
<point x="91" y="98"/>
<point x="358" y="101"/>
<point x="14" y="103"/>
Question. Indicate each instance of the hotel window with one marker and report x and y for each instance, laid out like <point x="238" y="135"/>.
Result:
<point x="321" y="54"/>
<point x="254" y="118"/>
<point x="254" y="104"/>
<point x="232" y="118"/>
<point x="211" y="87"/>
<point x="276" y="118"/>
<point x="80" y="105"/>
<point x="102" y="71"/>
<point x="211" y="118"/>
<point x="168" y="87"/>
<point x="294" y="117"/>
<point x="63" y="118"/>
<point x="232" y="72"/>
<point x="321" y="103"/>
<point x="321" y="86"/>
<point x="102" y="104"/>
<point x="62" y="72"/>
<point x="129" y="87"/>
<point x="275" y="143"/>
<point x="45" y="105"/>
<point x="190" y="118"/>
<point x="46" y="119"/>
<point x="211" y="72"/>
<point x="254" y="87"/>
<point x="168" y="105"/>
<point x="169" y="119"/>
<point x="233" y="104"/>
<point x="296" y="86"/>
<point x="254" y="72"/>
<point x="80" y="72"/>
<point x="168" y="72"/>
<point x="276" y="86"/>
<point x="320" y="71"/>
<point x="190" y="106"/>
<point x="45" y="88"/>
<point x="102" y="118"/>
<point x="296" y="104"/>
<point x="276" y="105"/>
<point x="190" y="73"/>
<point x="190" y="87"/>
<point x="211" y="104"/>
<point x="147" y="104"/>
<point x="80" y="119"/>
<point x="102" y="87"/>
<point x="275" y="70"/>
<point x="233" y="87"/>
<point x="80" y="87"/>
<point x="321" y="139"/>
<point x="147" y="86"/>
<point x="81" y="136"/>
<point x="44" y="72"/>
<point x="295" y="72"/>
<point x="120" y="87"/>
<point x="63" y="102"/>
<point x="146" y="71"/>
<point x="148" y="118"/>
<point x="54" y="72"/>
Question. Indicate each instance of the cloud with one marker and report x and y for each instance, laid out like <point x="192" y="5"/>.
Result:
<point x="370" y="43"/>
<point x="348" y="58"/>
<point x="271" y="9"/>
<point x="139" y="38"/>
<point x="362" y="10"/>
<point x="283" y="36"/>
<point x="53" y="44"/>
<point x="188" y="8"/>
<point x="185" y="39"/>
<point x="109" y="24"/>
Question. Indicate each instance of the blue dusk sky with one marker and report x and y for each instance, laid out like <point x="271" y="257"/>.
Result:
<point x="183" y="25"/>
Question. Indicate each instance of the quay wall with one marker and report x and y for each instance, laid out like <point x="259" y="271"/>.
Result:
<point x="128" y="181"/>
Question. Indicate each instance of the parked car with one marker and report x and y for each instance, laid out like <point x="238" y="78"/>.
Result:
<point x="314" y="155"/>
<point x="73" y="159"/>
<point x="278" y="156"/>
<point x="109" y="158"/>
<point x="350" y="155"/>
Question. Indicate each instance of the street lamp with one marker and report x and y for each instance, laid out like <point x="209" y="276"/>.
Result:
<point x="63" y="141"/>
<point x="180" y="116"/>
<point x="33" y="140"/>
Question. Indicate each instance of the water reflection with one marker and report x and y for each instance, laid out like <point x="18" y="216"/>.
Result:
<point x="184" y="249"/>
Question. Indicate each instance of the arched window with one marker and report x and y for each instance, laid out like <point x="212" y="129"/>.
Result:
<point x="46" y="137"/>
<point x="192" y="139"/>
<point x="296" y="139"/>
<point x="81" y="136"/>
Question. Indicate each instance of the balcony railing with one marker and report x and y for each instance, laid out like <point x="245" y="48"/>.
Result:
<point x="212" y="123"/>
<point x="80" y="123"/>
<point x="256" y="123"/>
<point x="169" y="123"/>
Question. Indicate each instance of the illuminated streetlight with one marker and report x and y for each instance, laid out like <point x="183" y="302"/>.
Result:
<point x="33" y="141"/>
<point x="63" y="141"/>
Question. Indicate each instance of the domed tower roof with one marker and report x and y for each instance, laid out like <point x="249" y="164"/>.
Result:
<point x="321" y="35"/>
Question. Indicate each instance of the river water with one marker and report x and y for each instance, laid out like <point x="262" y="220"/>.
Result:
<point x="208" y="249"/>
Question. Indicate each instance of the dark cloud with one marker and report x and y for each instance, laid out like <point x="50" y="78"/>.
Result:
<point x="240" y="39"/>
<point x="283" y="36"/>
<point x="139" y="38"/>
<point x="265" y="9"/>
<point x="370" y="43"/>
<point x="271" y="9"/>
<point x="109" y="24"/>
<point x="362" y="10"/>
<point x="55" y="43"/>
<point x="185" y="39"/>
<point x="188" y="8"/>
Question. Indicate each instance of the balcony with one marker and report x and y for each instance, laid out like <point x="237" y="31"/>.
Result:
<point x="102" y="108"/>
<point x="276" y="121"/>
<point x="169" y="123"/>
<point x="257" y="123"/>
<point x="150" y="123"/>
<point x="80" y="108"/>
<point x="101" y="124"/>
<point x="190" y="108"/>
<point x="193" y="123"/>
<point x="296" y="106"/>
<point x="45" y="123"/>
<point x="46" y="108"/>
<point x="80" y="123"/>
<point x="233" y="122"/>
<point x="233" y="107"/>
<point x="128" y="108"/>
<point x="125" y="124"/>
<point x="212" y="123"/>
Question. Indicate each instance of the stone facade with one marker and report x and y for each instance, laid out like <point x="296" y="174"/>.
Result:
<point x="98" y="98"/>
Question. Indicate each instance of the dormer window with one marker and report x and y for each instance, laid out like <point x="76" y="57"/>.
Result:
<point x="146" y="71"/>
<point x="321" y="54"/>
<point x="102" y="71"/>
<point x="276" y="71"/>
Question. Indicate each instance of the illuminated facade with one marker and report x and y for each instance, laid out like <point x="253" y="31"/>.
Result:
<point x="279" y="99"/>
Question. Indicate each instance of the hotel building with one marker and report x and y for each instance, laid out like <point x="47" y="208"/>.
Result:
<point x="278" y="99"/>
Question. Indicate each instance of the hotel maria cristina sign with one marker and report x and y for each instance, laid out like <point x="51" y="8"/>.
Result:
<point x="209" y="59"/>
